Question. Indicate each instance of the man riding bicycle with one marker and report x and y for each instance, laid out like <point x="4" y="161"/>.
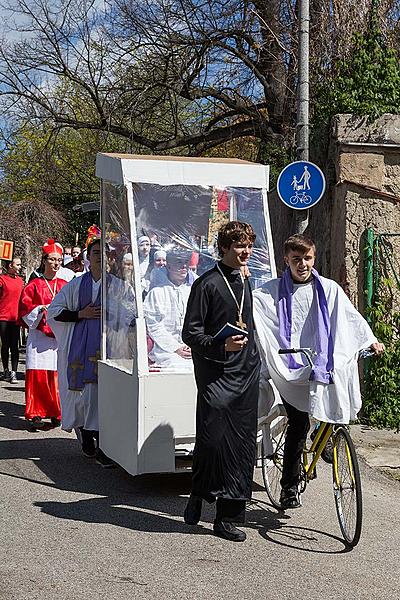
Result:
<point x="304" y="310"/>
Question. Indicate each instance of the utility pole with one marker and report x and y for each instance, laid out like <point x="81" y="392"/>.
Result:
<point x="302" y="126"/>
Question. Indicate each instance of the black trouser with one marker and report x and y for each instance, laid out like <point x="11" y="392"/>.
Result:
<point x="9" y="333"/>
<point x="232" y="511"/>
<point x="298" y="426"/>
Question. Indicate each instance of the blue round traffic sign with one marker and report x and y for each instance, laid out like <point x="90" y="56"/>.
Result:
<point x="301" y="185"/>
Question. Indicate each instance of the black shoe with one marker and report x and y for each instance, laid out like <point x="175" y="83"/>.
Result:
<point x="289" y="499"/>
<point x="192" y="512"/>
<point x="37" y="423"/>
<point x="55" y="422"/>
<point x="88" y="445"/>
<point x="228" y="531"/>
<point x="103" y="460"/>
<point x="5" y="376"/>
<point x="327" y="452"/>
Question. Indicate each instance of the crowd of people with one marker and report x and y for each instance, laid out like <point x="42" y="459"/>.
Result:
<point x="185" y="308"/>
<point x="59" y="306"/>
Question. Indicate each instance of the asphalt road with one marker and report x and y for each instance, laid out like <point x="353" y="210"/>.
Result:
<point x="72" y="530"/>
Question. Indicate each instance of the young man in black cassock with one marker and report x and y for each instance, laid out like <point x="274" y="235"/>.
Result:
<point x="227" y="377"/>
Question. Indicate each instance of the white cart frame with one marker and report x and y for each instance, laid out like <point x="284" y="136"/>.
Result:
<point x="147" y="420"/>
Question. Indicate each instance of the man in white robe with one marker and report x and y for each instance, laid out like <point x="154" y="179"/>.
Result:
<point x="164" y="309"/>
<point x="145" y="262"/>
<point x="79" y="400"/>
<point x="304" y="310"/>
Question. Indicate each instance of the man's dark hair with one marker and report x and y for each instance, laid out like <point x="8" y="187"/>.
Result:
<point x="178" y="255"/>
<point x="234" y="231"/>
<point x="90" y="246"/>
<point x="298" y="243"/>
<point x="7" y="263"/>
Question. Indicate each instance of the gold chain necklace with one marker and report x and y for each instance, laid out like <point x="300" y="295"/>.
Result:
<point x="240" y="323"/>
<point x="52" y="291"/>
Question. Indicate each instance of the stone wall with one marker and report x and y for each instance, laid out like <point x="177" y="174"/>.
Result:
<point x="366" y="193"/>
<point x="362" y="168"/>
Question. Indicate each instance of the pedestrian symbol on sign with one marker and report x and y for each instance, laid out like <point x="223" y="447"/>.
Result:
<point x="301" y="184"/>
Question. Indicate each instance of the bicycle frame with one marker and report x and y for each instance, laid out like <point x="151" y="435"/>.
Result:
<point x="335" y="463"/>
<point x="318" y="444"/>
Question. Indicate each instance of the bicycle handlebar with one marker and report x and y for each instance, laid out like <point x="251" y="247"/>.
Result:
<point x="365" y="353"/>
<point x="308" y="353"/>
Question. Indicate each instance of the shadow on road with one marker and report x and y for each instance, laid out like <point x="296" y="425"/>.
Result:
<point x="148" y="503"/>
<point x="274" y="526"/>
<point x="136" y="502"/>
<point x="12" y="414"/>
<point x="122" y="500"/>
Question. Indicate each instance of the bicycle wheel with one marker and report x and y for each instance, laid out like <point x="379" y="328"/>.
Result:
<point x="272" y="463"/>
<point x="307" y="199"/>
<point x="347" y="486"/>
<point x="294" y="200"/>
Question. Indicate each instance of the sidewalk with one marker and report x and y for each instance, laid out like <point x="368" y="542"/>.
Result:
<point x="380" y="448"/>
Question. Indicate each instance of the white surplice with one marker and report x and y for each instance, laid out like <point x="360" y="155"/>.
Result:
<point x="164" y="310"/>
<point x="78" y="408"/>
<point x="340" y="401"/>
<point x="41" y="350"/>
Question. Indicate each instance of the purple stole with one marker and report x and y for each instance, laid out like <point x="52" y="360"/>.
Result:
<point x="84" y="350"/>
<point x="323" y="364"/>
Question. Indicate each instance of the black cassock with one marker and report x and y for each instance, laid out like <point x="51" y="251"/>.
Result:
<point x="227" y="383"/>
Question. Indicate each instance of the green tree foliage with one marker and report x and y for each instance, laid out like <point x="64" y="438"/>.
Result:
<point x="381" y="403"/>
<point x="366" y="83"/>
<point x="55" y="167"/>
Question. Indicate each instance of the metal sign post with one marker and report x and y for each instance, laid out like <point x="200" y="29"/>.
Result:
<point x="302" y="128"/>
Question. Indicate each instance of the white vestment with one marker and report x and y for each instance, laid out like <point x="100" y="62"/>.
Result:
<point x="144" y="275"/>
<point x="78" y="408"/>
<point x="120" y="321"/>
<point x="66" y="274"/>
<point x="41" y="350"/>
<point x="164" y="310"/>
<point x="340" y="401"/>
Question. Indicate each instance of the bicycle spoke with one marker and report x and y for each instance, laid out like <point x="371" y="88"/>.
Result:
<point x="272" y="467"/>
<point x="347" y="487"/>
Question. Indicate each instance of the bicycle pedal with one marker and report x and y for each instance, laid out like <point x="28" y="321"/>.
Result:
<point x="314" y="474"/>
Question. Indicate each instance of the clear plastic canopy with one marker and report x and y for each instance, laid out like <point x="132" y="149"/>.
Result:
<point x="174" y="229"/>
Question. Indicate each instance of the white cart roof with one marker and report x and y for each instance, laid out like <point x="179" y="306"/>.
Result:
<point x="179" y="170"/>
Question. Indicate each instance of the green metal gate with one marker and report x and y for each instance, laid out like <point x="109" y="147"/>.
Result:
<point x="381" y="406"/>
<point x="381" y="260"/>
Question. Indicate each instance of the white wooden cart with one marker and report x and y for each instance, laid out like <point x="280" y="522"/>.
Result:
<point x="147" y="414"/>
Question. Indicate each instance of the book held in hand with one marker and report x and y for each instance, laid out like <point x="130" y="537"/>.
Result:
<point x="227" y="330"/>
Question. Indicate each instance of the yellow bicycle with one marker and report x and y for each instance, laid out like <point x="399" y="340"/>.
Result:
<point x="346" y="477"/>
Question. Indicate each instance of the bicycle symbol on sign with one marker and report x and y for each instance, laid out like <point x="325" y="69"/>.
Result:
<point x="300" y="186"/>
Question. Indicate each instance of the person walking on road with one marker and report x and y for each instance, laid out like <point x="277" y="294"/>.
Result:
<point x="75" y="317"/>
<point x="11" y="285"/>
<point x="41" y="382"/>
<point x="227" y="377"/>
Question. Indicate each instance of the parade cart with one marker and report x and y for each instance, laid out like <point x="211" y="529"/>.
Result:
<point x="153" y="206"/>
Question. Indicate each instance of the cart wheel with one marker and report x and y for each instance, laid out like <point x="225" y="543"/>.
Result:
<point x="272" y="465"/>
